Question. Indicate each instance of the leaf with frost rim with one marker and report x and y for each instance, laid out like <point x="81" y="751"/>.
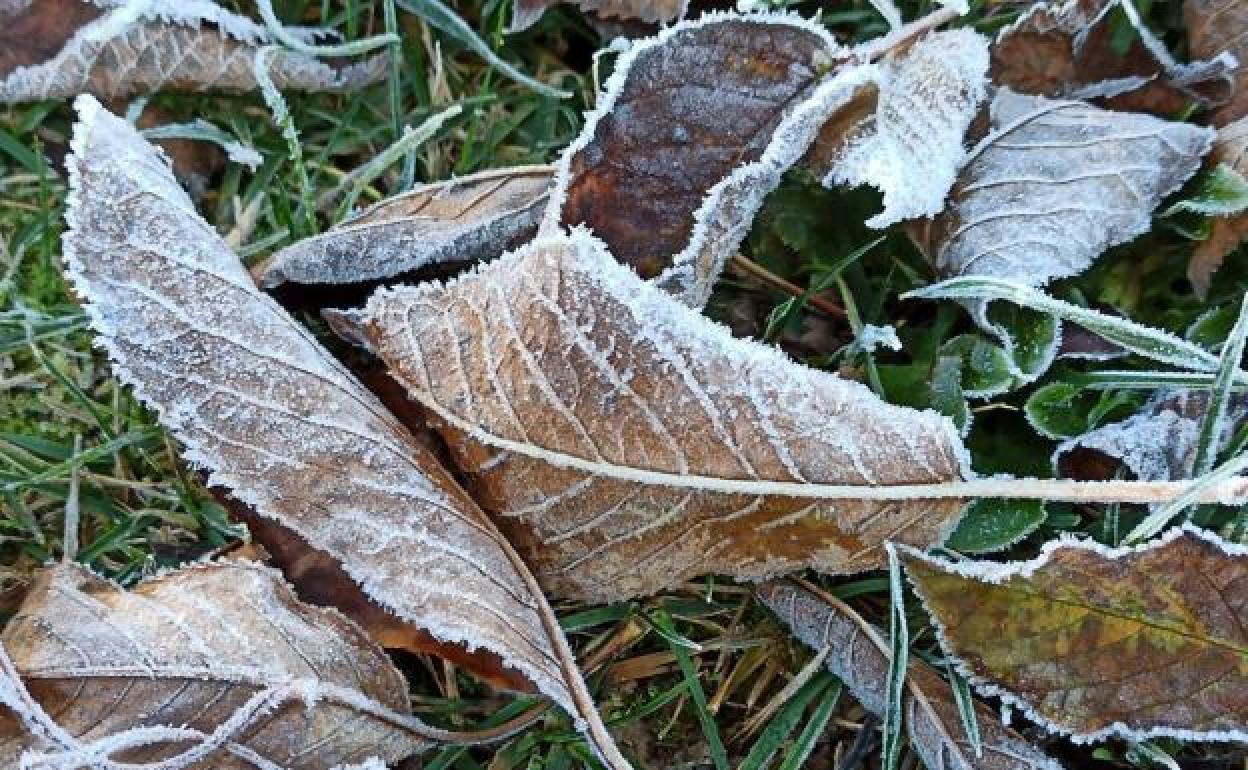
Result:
<point x="394" y="474"/>
<point x="870" y="690"/>
<point x="993" y="148"/>
<point x="139" y="26"/>
<point x="998" y="572"/>
<point x="343" y="651"/>
<point x="735" y="198"/>
<point x="378" y="244"/>
<point x="620" y="329"/>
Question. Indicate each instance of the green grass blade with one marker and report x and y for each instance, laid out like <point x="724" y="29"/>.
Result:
<point x="966" y="710"/>
<point x="899" y="636"/>
<point x="785" y="722"/>
<point x="1214" y="423"/>
<point x="663" y="624"/>
<point x="800" y="752"/>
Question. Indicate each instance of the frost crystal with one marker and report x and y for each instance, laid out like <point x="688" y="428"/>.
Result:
<point x="911" y="147"/>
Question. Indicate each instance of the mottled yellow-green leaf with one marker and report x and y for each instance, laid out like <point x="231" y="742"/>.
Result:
<point x="1093" y="642"/>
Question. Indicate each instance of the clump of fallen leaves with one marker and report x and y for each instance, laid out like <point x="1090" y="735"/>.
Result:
<point x="599" y="438"/>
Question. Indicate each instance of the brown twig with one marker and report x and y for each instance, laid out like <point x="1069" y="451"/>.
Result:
<point x="755" y="270"/>
<point x="874" y="49"/>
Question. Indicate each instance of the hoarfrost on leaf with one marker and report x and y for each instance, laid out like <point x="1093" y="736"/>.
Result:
<point x="626" y="443"/>
<point x="1054" y="185"/>
<point x="115" y="49"/>
<point x="466" y="218"/>
<point x="1094" y="642"/>
<point x="911" y="147"/>
<point x="279" y="422"/>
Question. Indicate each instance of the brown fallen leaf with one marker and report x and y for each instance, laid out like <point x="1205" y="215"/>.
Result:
<point x="319" y="579"/>
<point x="279" y="422"/>
<point x="464" y="219"/>
<point x="525" y="13"/>
<point x="1067" y="49"/>
<point x="1093" y="642"/>
<point x="859" y="656"/>
<point x="53" y="49"/>
<point x="1054" y="185"/>
<point x="683" y="112"/>
<point x="1230" y="146"/>
<point x="625" y="443"/>
<point x="1215" y="27"/>
<point x="216" y="660"/>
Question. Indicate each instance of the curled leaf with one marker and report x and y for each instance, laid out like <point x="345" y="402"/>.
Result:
<point x="859" y="656"/>
<point x="1093" y="642"/>
<point x="682" y="113"/>
<point x="1069" y="50"/>
<point x="1054" y="185"/>
<point x="911" y="146"/>
<point x="625" y="443"/>
<point x="281" y="424"/>
<point x="54" y="49"/>
<point x="525" y="13"/>
<point x="219" y="659"/>
<point x="468" y="218"/>
<point x="1230" y="146"/>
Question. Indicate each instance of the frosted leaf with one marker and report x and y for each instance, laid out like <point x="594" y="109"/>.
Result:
<point x="626" y="443"/>
<point x="680" y="114"/>
<point x="279" y="422"/>
<point x="1094" y="642"/>
<point x="1054" y="185"/>
<point x="859" y="657"/>
<point x="911" y="147"/>
<point x="1070" y="49"/>
<point x="1230" y="146"/>
<point x="207" y="647"/>
<point x="727" y="212"/>
<point x="525" y="13"/>
<point x="871" y="338"/>
<point x="1158" y="443"/>
<point x="468" y="218"/>
<point x="1216" y="28"/>
<point x="59" y="48"/>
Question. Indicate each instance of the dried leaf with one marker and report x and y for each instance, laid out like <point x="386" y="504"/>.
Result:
<point x="468" y="218"/>
<point x="210" y="647"/>
<point x="54" y="49"/>
<point x="626" y="443"/>
<point x="859" y="656"/>
<point x="1068" y="50"/>
<point x="1215" y="27"/>
<point x="318" y="578"/>
<point x="1056" y="184"/>
<point x="281" y="424"/>
<point x="1093" y="642"/>
<point x="1158" y="443"/>
<point x="525" y="13"/>
<point x="1230" y="146"/>
<point x="683" y="113"/>
<point x="911" y="146"/>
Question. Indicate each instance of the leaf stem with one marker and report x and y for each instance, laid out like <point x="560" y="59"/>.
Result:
<point x="753" y="269"/>
<point x="874" y="49"/>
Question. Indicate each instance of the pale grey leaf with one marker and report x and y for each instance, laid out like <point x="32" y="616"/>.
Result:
<point x="283" y="425"/>
<point x="463" y="219"/>
<point x="1054" y="185"/>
